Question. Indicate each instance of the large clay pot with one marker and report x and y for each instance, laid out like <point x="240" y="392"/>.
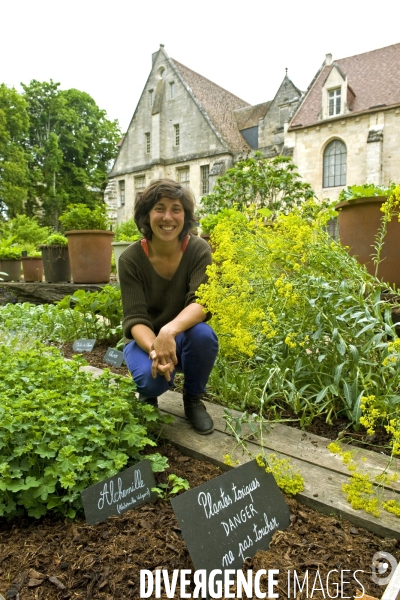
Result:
<point x="32" y="268"/>
<point x="90" y="255"/>
<point x="119" y="248"/>
<point x="12" y="267"/>
<point x="359" y="221"/>
<point x="56" y="264"/>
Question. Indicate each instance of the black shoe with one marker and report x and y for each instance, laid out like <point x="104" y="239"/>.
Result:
<point x="151" y="401"/>
<point x="197" y="414"/>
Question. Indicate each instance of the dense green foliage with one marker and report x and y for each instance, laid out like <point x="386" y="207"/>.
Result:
<point x="101" y="313"/>
<point x="71" y="143"/>
<point x="56" y="239"/>
<point x="61" y="429"/>
<point x="26" y="230"/>
<point x="83" y="315"/>
<point x="352" y="192"/>
<point x="127" y="232"/>
<point x="8" y="248"/>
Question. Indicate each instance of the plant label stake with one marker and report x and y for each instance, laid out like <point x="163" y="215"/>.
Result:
<point x="114" y="357"/>
<point x="83" y="345"/>
<point x="231" y="517"/>
<point x="115" y="495"/>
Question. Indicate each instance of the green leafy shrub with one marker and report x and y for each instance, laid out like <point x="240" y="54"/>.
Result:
<point x="127" y="232"/>
<point x="26" y="230"/>
<point x="101" y="312"/>
<point x="8" y="250"/>
<point x="55" y="239"/>
<point x="62" y="430"/>
<point x="81" y="217"/>
<point x="209" y="222"/>
<point x="84" y="314"/>
<point x="44" y="322"/>
<point x="270" y="184"/>
<point x="352" y="192"/>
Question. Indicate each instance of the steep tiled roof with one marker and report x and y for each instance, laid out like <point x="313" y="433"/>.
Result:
<point x="249" y="116"/>
<point x="218" y="104"/>
<point x="374" y="79"/>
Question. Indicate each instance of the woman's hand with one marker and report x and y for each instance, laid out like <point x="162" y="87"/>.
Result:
<point x="164" y="370"/>
<point x="163" y="354"/>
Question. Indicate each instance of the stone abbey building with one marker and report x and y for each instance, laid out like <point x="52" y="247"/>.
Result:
<point x="344" y="130"/>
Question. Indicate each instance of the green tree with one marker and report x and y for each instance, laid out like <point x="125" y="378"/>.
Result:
<point x="14" y="123"/>
<point x="71" y="144"/>
<point x="270" y="184"/>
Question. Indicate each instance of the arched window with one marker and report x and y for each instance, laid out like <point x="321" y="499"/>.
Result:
<point x="335" y="160"/>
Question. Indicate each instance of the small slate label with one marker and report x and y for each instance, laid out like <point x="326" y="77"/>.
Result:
<point x="231" y="517"/>
<point x="83" y="345"/>
<point x="114" y="357"/>
<point x="114" y="496"/>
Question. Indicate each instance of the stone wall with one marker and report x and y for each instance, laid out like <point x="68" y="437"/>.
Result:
<point x="372" y="142"/>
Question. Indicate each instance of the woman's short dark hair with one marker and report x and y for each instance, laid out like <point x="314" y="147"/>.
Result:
<point x="163" y="188"/>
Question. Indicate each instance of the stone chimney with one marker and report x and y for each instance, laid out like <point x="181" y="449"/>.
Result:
<point x="328" y="59"/>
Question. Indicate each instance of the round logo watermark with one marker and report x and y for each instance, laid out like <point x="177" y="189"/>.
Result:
<point x="383" y="567"/>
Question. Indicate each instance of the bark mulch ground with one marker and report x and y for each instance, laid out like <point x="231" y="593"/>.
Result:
<point x="53" y="558"/>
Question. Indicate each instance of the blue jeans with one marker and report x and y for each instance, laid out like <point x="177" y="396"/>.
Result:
<point x="196" y="351"/>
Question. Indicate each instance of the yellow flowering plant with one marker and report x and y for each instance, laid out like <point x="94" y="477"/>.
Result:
<point x="300" y="316"/>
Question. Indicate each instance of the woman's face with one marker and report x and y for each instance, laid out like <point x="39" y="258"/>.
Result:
<point x="167" y="218"/>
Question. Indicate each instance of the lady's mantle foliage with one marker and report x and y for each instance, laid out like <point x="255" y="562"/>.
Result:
<point x="62" y="430"/>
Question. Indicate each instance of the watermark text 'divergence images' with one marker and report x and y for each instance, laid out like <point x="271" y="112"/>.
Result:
<point x="220" y="584"/>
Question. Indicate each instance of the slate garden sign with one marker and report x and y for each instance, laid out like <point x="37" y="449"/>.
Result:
<point x="83" y="345"/>
<point x="115" y="495"/>
<point x="114" y="357"/>
<point x="231" y="517"/>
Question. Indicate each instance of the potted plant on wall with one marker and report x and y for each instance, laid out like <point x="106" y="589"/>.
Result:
<point x="55" y="257"/>
<point x="369" y="227"/>
<point x="89" y="242"/>
<point x="32" y="265"/>
<point x="125" y="234"/>
<point x="10" y="259"/>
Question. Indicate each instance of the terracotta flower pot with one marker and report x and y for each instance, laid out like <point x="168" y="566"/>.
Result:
<point x="12" y="267"/>
<point x="90" y="255"/>
<point x="32" y="268"/>
<point x="359" y="221"/>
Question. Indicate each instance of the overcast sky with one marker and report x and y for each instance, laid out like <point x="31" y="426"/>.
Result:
<point x="104" y="48"/>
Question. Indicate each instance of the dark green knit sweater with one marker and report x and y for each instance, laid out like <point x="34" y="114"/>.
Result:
<point x="148" y="298"/>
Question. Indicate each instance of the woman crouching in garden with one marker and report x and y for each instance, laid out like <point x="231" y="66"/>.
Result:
<point x="159" y="277"/>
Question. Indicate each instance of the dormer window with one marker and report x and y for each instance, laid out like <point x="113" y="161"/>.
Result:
<point x="335" y="102"/>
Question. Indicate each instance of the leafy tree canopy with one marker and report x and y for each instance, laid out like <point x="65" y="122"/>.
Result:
<point x="14" y="123"/>
<point x="71" y="143"/>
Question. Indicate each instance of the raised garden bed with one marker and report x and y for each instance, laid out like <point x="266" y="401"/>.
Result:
<point x="55" y="559"/>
